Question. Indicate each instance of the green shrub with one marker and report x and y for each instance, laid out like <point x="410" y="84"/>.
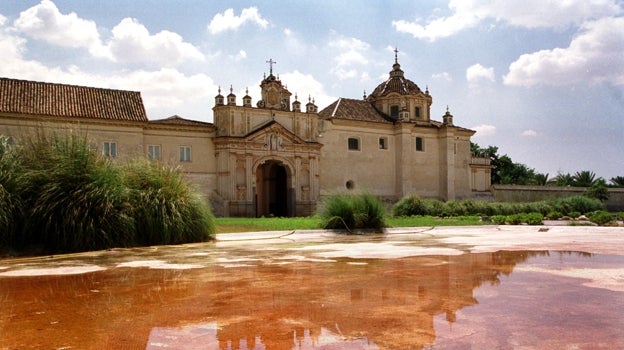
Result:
<point x="74" y="199"/>
<point x="499" y="219"/>
<point x="580" y="204"/>
<point x="409" y="206"/>
<point x="533" y="218"/>
<point x="514" y="219"/>
<point x="574" y="214"/>
<point x="165" y="207"/>
<point x="554" y="215"/>
<point x="601" y="217"/>
<point x="351" y="211"/>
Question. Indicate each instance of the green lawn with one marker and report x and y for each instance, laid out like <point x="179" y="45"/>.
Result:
<point x="230" y="224"/>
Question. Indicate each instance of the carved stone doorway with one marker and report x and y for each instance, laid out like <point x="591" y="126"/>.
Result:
<point x="272" y="190"/>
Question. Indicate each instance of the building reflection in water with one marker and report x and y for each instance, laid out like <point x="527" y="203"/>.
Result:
<point x="365" y="304"/>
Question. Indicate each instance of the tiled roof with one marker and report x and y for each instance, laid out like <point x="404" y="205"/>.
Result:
<point x="346" y="108"/>
<point x="177" y="120"/>
<point x="60" y="100"/>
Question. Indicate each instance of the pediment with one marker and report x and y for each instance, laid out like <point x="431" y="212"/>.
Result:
<point x="273" y="135"/>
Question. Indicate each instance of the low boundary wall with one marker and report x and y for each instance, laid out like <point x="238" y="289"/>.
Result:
<point x="517" y="193"/>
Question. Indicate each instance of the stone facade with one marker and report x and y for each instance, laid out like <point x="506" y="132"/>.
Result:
<point x="274" y="158"/>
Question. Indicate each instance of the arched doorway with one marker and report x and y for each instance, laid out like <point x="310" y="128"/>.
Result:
<point x="272" y="190"/>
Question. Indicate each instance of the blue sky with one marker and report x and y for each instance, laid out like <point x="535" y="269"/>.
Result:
<point x="541" y="79"/>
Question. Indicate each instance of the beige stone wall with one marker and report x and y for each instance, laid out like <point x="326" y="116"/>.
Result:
<point x="368" y="169"/>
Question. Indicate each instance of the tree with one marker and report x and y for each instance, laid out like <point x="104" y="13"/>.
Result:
<point x="563" y="180"/>
<point x="584" y="178"/>
<point x="618" y="181"/>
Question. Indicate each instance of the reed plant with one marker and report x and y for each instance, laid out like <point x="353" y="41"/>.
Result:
<point x="58" y="194"/>
<point x="352" y="211"/>
<point x="165" y="206"/>
<point x="74" y="199"/>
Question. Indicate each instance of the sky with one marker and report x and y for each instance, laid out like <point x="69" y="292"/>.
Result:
<point x="542" y="80"/>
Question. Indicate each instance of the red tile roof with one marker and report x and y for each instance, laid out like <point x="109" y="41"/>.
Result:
<point x="177" y="120"/>
<point x="347" y="108"/>
<point x="60" y="100"/>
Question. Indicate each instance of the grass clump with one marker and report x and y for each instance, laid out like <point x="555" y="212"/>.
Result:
<point x="352" y="211"/>
<point x="63" y="196"/>
<point x="601" y="217"/>
<point x="164" y="206"/>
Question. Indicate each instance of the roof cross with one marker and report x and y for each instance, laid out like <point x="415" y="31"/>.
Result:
<point x="271" y="63"/>
<point x="396" y="53"/>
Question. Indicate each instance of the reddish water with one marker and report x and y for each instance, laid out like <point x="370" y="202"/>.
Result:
<point x="480" y="301"/>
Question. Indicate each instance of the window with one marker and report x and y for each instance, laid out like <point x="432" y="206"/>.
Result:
<point x="420" y="144"/>
<point x="110" y="149"/>
<point x="354" y="144"/>
<point x="383" y="143"/>
<point x="417" y="112"/>
<point x="153" y="152"/>
<point x="185" y="154"/>
<point x="394" y="111"/>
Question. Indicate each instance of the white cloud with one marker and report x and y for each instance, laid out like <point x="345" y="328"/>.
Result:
<point x="228" y="21"/>
<point x="484" y="130"/>
<point x="466" y="14"/>
<point x="132" y="42"/>
<point x="594" y="55"/>
<point x="529" y="133"/>
<point x="305" y="85"/>
<point x="445" y="76"/>
<point x="45" y="22"/>
<point x="477" y="73"/>
<point x="348" y="52"/>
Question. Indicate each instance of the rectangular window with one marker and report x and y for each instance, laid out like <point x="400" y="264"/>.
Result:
<point x="420" y="144"/>
<point x="383" y="143"/>
<point x="417" y="112"/>
<point x="394" y="111"/>
<point x="185" y="154"/>
<point x="153" y="152"/>
<point x="354" y="144"/>
<point x="110" y="149"/>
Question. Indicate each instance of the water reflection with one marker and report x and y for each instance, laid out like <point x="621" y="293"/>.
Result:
<point x="354" y="304"/>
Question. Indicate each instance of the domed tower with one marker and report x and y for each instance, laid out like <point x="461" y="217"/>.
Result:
<point x="400" y="98"/>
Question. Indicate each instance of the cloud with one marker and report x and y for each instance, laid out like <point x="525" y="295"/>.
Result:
<point x="445" y="76"/>
<point x="222" y="22"/>
<point x="305" y="85"/>
<point x="529" y="133"/>
<point x="45" y="22"/>
<point x="594" y="55"/>
<point x="466" y="14"/>
<point x="477" y="73"/>
<point x="132" y="42"/>
<point x="348" y="52"/>
<point x="484" y="130"/>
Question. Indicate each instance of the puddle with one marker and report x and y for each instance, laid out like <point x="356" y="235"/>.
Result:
<point x="294" y="298"/>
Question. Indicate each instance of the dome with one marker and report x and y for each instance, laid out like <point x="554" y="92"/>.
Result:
<point x="395" y="83"/>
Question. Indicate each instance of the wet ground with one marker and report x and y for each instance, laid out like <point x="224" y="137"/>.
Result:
<point x="446" y="288"/>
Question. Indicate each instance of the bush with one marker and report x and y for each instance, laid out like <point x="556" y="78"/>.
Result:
<point x="580" y="204"/>
<point x="352" y="212"/>
<point x="554" y="215"/>
<point x="515" y="219"/>
<point x="499" y="219"/>
<point x="164" y="205"/>
<point x="75" y="200"/>
<point x="601" y="217"/>
<point x="409" y="206"/>
<point x="60" y="195"/>
<point x="533" y="218"/>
